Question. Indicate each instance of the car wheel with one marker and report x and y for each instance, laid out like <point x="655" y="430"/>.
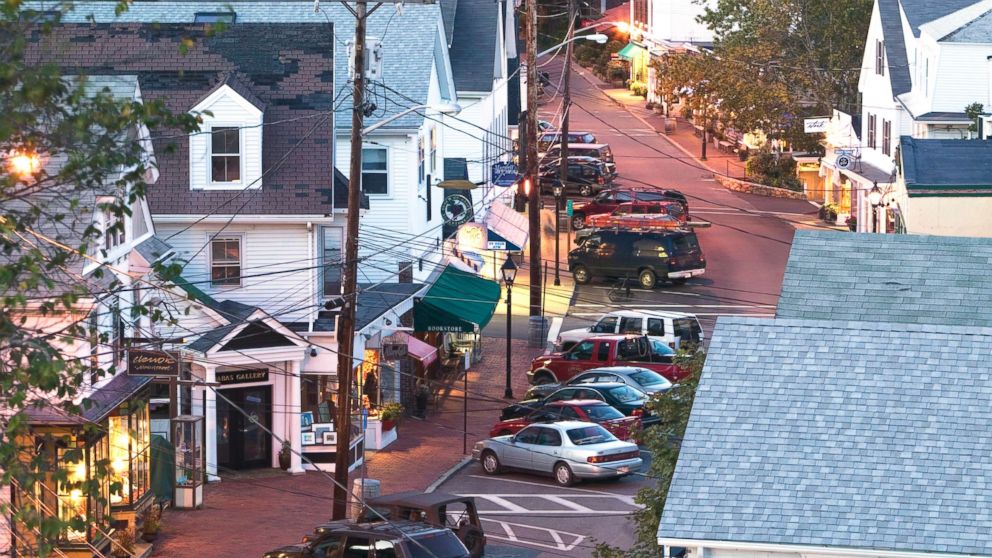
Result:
<point x="585" y="190"/>
<point x="563" y="475"/>
<point x="679" y="281"/>
<point x="543" y="378"/>
<point x="581" y="274"/>
<point x="578" y="222"/>
<point x="490" y="463"/>
<point x="647" y="279"/>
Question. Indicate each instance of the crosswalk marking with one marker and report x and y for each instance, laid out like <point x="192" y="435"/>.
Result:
<point x="510" y="534"/>
<point x="588" y="505"/>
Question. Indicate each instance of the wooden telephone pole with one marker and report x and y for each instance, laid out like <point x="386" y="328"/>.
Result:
<point x="534" y="197"/>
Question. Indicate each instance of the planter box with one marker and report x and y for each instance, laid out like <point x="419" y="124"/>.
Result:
<point x="377" y="436"/>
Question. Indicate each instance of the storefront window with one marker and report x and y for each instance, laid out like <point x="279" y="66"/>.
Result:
<point x="369" y="377"/>
<point x="129" y="456"/>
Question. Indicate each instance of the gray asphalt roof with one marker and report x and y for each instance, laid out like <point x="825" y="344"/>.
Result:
<point x="448" y="10"/>
<point x="375" y="300"/>
<point x="405" y="68"/>
<point x="919" y="12"/>
<point x="839" y="434"/>
<point x="978" y="30"/>
<point x="942" y="162"/>
<point x="473" y="49"/>
<point x="907" y="279"/>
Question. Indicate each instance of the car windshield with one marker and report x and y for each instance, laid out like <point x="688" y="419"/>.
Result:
<point x="648" y="378"/>
<point x="602" y="412"/>
<point x="441" y="544"/>
<point x="661" y="349"/>
<point x="588" y="435"/>
<point x="626" y="394"/>
<point x="685" y="244"/>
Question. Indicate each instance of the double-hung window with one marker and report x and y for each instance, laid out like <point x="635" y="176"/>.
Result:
<point x="375" y="166"/>
<point x="434" y="162"/>
<point x="872" y="143"/>
<point x="886" y="137"/>
<point x="225" y="261"/>
<point x="421" y="158"/>
<point x="332" y="264"/>
<point x="879" y="57"/>
<point x="225" y="155"/>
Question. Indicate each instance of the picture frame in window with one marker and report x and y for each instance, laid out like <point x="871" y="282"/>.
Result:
<point x="306" y="420"/>
<point x="309" y="439"/>
<point x="329" y="438"/>
<point x="324" y="412"/>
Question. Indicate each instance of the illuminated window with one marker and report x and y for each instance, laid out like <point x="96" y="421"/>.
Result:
<point x="129" y="455"/>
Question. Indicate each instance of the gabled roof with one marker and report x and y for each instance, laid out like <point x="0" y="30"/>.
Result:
<point x="408" y="37"/>
<point x="834" y="434"/>
<point x="978" y="30"/>
<point x="285" y="66"/>
<point x="935" y="164"/>
<point x="906" y="279"/>
<point x="473" y="48"/>
<point x="376" y="300"/>
<point x="448" y="10"/>
<point x="920" y="12"/>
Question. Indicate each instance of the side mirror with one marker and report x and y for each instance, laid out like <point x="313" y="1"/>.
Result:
<point x="513" y="439"/>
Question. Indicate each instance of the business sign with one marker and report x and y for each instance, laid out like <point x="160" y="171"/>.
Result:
<point x="815" y="125"/>
<point x="844" y="161"/>
<point x="394" y="351"/>
<point x="152" y="363"/>
<point x="569" y="208"/>
<point x="229" y="377"/>
<point x="496" y="245"/>
<point x="505" y="174"/>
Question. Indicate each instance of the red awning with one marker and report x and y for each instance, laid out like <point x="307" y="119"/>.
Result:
<point x="417" y="349"/>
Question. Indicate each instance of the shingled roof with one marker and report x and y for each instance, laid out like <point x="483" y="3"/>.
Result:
<point x="473" y="47"/>
<point x="834" y="434"/>
<point x="933" y="165"/>
<point x="289" y="68"/>
<point x="907" y="279"/>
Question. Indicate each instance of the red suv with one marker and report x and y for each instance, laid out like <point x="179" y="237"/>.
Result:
<point x="606" y="350"/>
<point x="586" y="410"/>
<point x="608" y="200"/>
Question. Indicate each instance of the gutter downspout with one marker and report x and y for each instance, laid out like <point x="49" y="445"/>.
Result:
<point x="313" y="277"/>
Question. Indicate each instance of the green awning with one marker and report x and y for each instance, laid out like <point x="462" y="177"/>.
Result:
<point x="630" y="51"/>
<point x="458" y="302"/>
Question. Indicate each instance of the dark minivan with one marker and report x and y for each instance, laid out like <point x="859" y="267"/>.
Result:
<point x="586" y="176"/>
<point x="548" y="139"/>
<point x="650" y="256"/>
<point x="599" y="151"/>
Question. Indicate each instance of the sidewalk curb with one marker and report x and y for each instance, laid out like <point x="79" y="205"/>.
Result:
<point x="648" y="124"/>
<point x="448" y="474"/>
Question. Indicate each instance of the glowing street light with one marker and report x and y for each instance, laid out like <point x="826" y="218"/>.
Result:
<point x="24" y="164"/>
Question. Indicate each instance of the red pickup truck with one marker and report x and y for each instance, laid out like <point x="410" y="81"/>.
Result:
<point x="606" y="350"/>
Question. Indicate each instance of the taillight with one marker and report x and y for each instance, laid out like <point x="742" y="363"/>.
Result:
<point x="637" y="413"/>
<point x="600" y="180"/>
<point x="673" y="261"/>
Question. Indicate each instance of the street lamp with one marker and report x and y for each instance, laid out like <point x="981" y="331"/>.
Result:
<point x="875" y="199"/>
<point x="444" y="108"/>
<point x="509" y="271"/>
<point x="23" y="164"/>
<point x="558" y="191"/>
<point x="597" y="37"/>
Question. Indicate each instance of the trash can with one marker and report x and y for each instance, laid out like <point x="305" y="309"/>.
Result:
<point x="370" y="489"/>
<point x="537" y="331"/>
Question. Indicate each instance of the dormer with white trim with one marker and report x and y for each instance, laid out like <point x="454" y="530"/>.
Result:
<point x="226" y="154"/>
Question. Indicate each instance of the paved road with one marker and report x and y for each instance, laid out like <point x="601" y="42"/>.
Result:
<point x="527" y="516"/>
<point x="746" y="248"/>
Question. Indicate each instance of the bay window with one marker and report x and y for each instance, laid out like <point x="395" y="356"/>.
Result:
<point x="130" y="435"/>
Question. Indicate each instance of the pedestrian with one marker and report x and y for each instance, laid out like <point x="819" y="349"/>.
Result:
<point x="421" y="396"/>
<point x="370" y="388"/>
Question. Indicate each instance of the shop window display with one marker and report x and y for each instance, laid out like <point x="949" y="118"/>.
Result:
<point x="129" y="454"/>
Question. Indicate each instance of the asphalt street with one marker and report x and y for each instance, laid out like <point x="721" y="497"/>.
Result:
<point x="529" y="516"/>
<point x="746" y="248"/>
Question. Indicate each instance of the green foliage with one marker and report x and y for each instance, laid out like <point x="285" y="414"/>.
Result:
<point x="973" y="112"/>
<point x="391" y="411"/>
<point x="828" y="212"/>
<point x="86" y="144"/>
<point x="664" y="442"/>
<point x="772" y="169"/>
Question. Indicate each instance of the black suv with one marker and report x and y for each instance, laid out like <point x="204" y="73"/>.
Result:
<point x="393" y="539"/>
<point x="586" y="176"/>
<point x="599" y="151"/>
<point x="649" y="256"/>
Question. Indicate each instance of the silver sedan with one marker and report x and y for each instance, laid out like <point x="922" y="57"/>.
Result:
<point x="569" y="451"/>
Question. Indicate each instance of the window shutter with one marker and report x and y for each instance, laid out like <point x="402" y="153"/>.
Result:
<point x="199" y="152"/>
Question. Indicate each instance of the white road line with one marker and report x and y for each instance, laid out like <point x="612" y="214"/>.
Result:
<point x="556" y="536"/>
<point x="566" y="490"/>
<point x="682" y="293"/>
<point x="568" y="504"/>
<point x="510" y="506"/>
<point x="556" y="512"/>
<point x="697" y="314"/>
<point x="686" y="305"/>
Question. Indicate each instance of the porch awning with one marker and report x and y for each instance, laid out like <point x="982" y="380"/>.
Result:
<point x="416" y="348"/>
<point x="507" y="228"/>
<point x="101" y="403"/>
<point x="458" y="302"/>
<point x="630" y="51"/>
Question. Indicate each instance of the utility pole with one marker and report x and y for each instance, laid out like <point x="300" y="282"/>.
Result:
<point x="566" y="112"/>
<point x="534" y="198"/>
<point x="346" y="321"/>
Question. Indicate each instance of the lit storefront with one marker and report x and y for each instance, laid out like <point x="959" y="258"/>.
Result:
<point x="130" y="438"/>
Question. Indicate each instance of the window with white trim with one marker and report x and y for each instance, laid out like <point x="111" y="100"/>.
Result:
<point x="225" y="155"/>
<point x="886" y="137"/>
<point x="421" y="159"/>
<point x="225" y="261"/>
<point x="331" y="262"/>
<point x="434" y="163"/>
<point x="880" y="57"/>
<point x="113" y="230"/>
<point x="375" y="167"/>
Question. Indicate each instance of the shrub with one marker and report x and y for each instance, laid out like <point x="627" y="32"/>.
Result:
<point x="773" y="170"/>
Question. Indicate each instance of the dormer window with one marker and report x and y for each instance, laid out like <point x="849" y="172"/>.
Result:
<point x="225" y="155"/>
<point x="113" y="231"/>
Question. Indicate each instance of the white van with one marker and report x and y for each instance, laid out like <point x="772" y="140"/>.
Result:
<point x="672" y="328"/>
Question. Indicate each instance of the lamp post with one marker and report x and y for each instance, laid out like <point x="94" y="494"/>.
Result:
<point x="509" y="271"/>
<point x="558" y="191"/>
<point x="875" y="199"/>
<point x="598" y="38"/>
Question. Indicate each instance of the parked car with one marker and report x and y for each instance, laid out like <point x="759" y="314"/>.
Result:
<point x="548" y="139"/>
<point x="599" y="151"/>
<point x="605" y="350"/>
<point x="450" y="511"/>
<point x="672" y="328"/>
<point x="586" y="176"/>
<point x="545" y="126"/>
<point x="666" y="215"/>
<point x="648" y="381"/>
<point x="399" y="539"/>
<point x="569" y="451"/>
<point x="649" y="256"/>
<point x="586" y="410"/>
<point x="608" y="200"/>
<point x="626" y="399"/>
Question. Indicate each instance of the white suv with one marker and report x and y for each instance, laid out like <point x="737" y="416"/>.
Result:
<point x="672" y="328"/>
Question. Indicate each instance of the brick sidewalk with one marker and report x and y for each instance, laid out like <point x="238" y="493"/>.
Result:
<point x="248" y="516"/>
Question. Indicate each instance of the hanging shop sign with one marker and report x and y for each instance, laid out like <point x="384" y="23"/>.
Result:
<point x="843" y="161"/>
<point x="456" y="209"/>
<point x="229" y="377"/>
<point x="815" y="125"/>
<point x="505" y="174"/>
<point x="394" y="351"/>
<point x="152" y="363"/>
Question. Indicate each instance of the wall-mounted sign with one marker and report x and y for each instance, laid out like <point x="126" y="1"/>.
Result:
<point x="815" y="125"/>
<point x="456" y="209"/>
<point x="505" y="174"/>
<point x="229" y="377"/>
<point x="393" y="351"/>
<point x="152" y="363"/>
<point x="496" y="245"/>
<point x="843" y="161"/>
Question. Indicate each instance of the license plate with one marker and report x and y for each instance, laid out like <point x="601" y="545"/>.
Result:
<point x="623" y="470"/>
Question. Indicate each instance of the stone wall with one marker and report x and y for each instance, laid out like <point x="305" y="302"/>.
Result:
<point x="758" y="189"/>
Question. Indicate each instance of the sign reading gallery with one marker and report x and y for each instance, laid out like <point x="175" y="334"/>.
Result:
<point x="229" y="377"/>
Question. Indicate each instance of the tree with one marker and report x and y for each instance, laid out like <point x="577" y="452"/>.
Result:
<point x="63" y="142"/>
<point x="974" y="111"/>
<point x="663" y="442"/>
